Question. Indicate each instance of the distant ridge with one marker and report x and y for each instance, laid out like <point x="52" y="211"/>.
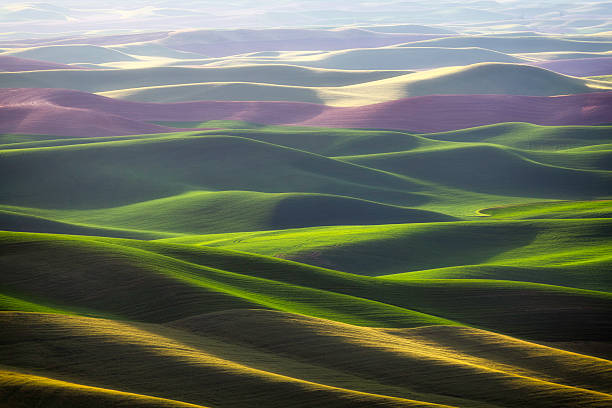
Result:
<point x="16" y="64"/>
<point x="579" y="66"/>
<point x="74" y="113"/>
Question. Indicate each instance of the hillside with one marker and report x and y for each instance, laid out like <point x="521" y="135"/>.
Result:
<point x="485" y="78"/>
<point x="112" y="79"/>
<point x="306" y="204"/>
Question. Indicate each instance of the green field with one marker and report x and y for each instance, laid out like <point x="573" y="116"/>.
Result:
<point x="309" y="263"/>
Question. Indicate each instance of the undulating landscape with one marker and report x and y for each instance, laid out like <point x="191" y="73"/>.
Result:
<point x="306" y="203"/>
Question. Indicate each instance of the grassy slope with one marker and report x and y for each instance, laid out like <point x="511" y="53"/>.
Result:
<point x="109" y="80"/>
<point x="26" y="390"/>
<point x="305" y="360"/>
<point x="199" y="212"/>
<point x="139" y="172"/>
<point x="483" y="78"/>
<point x="475" y="175"/>
<point x="579" y="256"/>
<point x="137" y="280"/>
<point x="561" y="209"/>
<point x="530" y="137"/>
<point x="499" y="170"/>
<point x="158" y="361"/>
<point x="84" y="273"/>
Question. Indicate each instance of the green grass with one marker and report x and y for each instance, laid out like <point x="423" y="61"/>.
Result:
<point x="387" y="249"/>
<point x="200" y="212"/>
<point x="561" y="209"/>
<point x="128" y="278"/>
<point x="530" y="137"/>
<point x="393" y="168"/>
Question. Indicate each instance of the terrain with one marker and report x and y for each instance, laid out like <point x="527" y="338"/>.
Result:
<point x="306" y="204"/>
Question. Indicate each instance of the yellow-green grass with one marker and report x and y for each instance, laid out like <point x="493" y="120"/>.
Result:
<point x="554" y="209"/>
<point x="482" y="78"/>
<point x="530" y="137"/>
<point x="31" y="220"/>
<point x="128" y="281"/>
<point x="590" y="276"/>
<point x="386" y="249"/>
<point x="117" y="79"/>
<point x="19" y="390"/>
<point x="474" y="175"/>
<point x="199" y="212"/>
<point x="241" y="358"/>
<point x="131" y="279"/>
<point x="151" y="360"/>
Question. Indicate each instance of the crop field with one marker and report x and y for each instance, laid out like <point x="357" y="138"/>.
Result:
<point x="306" y="204"/>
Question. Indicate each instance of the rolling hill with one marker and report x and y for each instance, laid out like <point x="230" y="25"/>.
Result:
<point x="485" y="78"/>
<point x="306" y="203"/>
<point x="70" y="54"/>
<point x="232" y="364"/>
<point x="109" y="80"/>
<point x="515" y="45"/>
<point x="45" y="111"/>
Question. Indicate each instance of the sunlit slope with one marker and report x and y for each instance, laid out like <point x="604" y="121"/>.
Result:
<point x="531" y="137"/>
<point x="110" y="278"/>
<point x="560" y="209"/>
<point x="152" y="360"/>
<point x="404" y="170"/>
<point x="200" y="212"/>
<point x="128" y="279"/>
<point x="303" y="361"/>
<point x="484" y="78"/>
<point x="377" y="250"/>
<point x="130" y="171"/>
<point x="420" y="351"/>
<point x="376" y="58"/>
<point x="21" y="390"/>
<point x="109" y="80"/>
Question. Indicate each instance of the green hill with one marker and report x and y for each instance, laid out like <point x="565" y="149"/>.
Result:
<point x="127" y="279"/>
<point x="530" y="137"/>
<point x="554" y="209"/>
<point x="53" y="177"/>
<point x="387" y="249"/>
<point x="200" y="212"/>
<point x="498" y="170"/>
